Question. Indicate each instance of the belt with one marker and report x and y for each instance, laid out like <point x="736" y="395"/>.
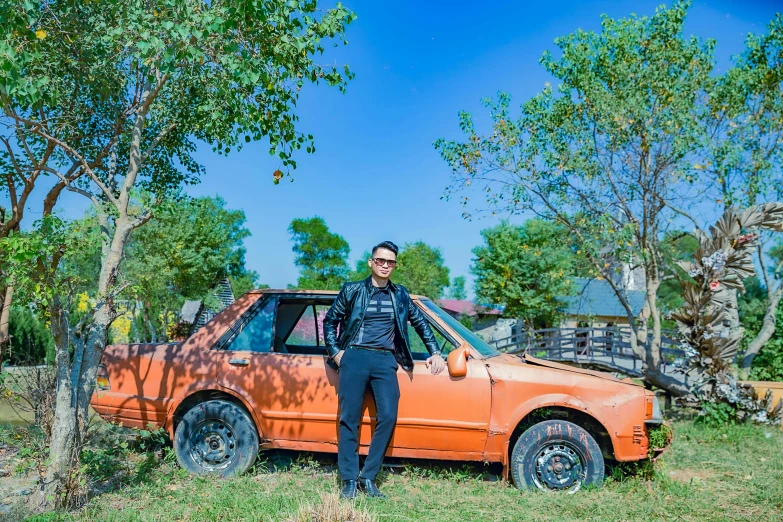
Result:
<point x="369" y="348"/>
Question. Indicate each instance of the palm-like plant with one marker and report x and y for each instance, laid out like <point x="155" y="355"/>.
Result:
<point x="708" y="320"/>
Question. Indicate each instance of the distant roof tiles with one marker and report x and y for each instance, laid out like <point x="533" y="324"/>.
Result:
<point x="595" y="297"/>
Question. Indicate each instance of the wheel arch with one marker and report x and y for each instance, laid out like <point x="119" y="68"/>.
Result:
<point x="574" y="415"/>
<point x="207" y="395"/>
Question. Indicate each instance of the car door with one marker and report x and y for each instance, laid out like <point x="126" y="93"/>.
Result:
<point x="440" y="412"/>
<point x="293" y="395"/>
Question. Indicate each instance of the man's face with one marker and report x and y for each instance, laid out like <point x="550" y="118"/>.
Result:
<point x="382" y="263"/>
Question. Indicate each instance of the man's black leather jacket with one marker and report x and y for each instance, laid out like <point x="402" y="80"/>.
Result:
<point x="348" y="312"/>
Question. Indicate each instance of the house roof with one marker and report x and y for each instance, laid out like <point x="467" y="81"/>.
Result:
<point x="595" y="297"/>
<point x="468" y="308"/>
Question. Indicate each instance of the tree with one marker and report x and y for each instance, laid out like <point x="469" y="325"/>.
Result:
<point x="710" y="332"/>
<point x="743" y="162"/>
<point x="30" y="341"/>
<point x="121" y="92"/>
<point x="321" y="254"/>
<point x="457" y="289"/>
<point x="181" y="254"/>
<point x="609" y="156"/>
<point x="420" y="268"/>
<point x="527" y="268"/>
<point x="362" y="270"/>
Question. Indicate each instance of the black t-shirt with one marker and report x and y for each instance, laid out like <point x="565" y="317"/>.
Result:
<point x="377" y="329"/>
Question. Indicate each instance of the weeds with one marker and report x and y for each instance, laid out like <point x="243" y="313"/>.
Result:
<point x="331" y="509"/>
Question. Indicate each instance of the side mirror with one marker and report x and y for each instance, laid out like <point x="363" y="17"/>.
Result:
<point x="457" y="361"/>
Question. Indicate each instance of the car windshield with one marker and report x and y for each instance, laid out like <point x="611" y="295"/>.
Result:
<point x="475" y="341"/>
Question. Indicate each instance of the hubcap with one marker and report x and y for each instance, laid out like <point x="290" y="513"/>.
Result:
<point x="213" y="445"/>
<point x="559" y="467"/>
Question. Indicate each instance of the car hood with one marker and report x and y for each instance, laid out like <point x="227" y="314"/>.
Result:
<point x="519" y="359"/>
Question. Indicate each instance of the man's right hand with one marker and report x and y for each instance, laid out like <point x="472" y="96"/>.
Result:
<point x="337" y="358"/>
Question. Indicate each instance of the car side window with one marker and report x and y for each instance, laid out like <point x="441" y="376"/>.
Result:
<point x="320" y="314"/>
<point x="304" y="333"/>
<point x="419" y="351"/>
<point x="257" y="332"/>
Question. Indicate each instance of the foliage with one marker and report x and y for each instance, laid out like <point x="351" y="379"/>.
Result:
<point x="626" y="144"/>
<point x="465" y="321"/>
<point x="457" y="289"/>
<point x="420" y="268"/>
<point x="186" y="248"/>
<point x="744" y="115"/>
<point x="659" y="437"/>
<point x="321" y="254"/>
<point x="28" y="258"/>
<point x="722" y="262"/>
<point x="768" y="364"/>
<point x="246" y="281"/>
<point x="607" y="155"/>
<point x="527" y="268"/>
<point x="710" y="333"/>
<point x="112" y="97"/>
<point x="676" y="246"/>
<point x="717" y="414"/>
<point x="362" y="270"/>
<point x="31" y="341"/>
<point x="240" y="68"/>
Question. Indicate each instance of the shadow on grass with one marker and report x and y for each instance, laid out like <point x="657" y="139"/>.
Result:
<point x="276" y="461"/>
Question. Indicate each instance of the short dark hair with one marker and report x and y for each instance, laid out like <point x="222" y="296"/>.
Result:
<point x="388" y="245"/>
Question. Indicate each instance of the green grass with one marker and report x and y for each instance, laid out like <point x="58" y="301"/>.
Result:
<point x="730" y="473"/>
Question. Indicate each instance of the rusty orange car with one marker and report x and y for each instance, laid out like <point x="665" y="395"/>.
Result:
<point x="256" y="377"/>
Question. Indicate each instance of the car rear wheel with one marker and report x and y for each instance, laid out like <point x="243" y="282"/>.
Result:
<point x="556" y="456"/>
<point x="216" y="437"/>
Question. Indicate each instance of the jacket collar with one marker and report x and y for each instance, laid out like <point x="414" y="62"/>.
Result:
<point x="368" y="284"/>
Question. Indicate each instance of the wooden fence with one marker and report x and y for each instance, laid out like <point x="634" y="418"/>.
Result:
<point x="607" y="348"/>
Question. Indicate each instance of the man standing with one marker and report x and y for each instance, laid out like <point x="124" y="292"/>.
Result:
<point x="373" y="315"/>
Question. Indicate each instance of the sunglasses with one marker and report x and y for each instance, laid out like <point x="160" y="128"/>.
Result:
<point x="381" y="261"/>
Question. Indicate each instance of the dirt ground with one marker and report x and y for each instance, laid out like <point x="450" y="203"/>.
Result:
<point x="13" y="486"/>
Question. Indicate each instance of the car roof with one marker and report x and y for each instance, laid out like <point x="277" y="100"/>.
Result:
<point x="309" y="292"/>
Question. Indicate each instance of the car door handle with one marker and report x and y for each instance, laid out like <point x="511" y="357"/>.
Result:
<point x="239" y="362"/>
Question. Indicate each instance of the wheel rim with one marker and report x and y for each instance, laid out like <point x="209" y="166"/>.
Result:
<point x="213" y="445"/>
<point x="559" y="466"/>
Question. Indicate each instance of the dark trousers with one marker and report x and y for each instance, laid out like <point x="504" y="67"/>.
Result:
<point x="358" y="368"/>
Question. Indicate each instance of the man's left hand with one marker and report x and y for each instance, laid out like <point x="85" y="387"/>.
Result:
<point x="436" y="364"/>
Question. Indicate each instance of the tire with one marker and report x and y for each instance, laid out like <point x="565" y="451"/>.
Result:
<point x="556" y="456"/>
<point x="216" y="437"/>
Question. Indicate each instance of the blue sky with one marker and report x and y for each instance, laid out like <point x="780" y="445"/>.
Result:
<point x="375" y="174"/>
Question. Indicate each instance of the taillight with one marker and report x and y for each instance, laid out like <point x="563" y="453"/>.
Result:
<point x="102" y="378"/>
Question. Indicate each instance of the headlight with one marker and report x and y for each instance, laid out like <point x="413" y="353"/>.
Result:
<point x="653" y="410"/>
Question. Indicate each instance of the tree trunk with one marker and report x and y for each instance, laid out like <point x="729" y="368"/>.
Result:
<point x="647" y="344"/>
<point x="76" y="381"/>
<point x="64" y="440"/>
<point x="765" y="334"/>
<point x="5" y="312"/>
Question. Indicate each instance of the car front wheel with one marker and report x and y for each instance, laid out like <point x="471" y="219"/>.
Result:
<point x="556" y="456"/>
<point x="216" y="437"/>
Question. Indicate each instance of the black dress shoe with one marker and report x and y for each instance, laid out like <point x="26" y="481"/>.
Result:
<point x="369" y="488"/>
<point x="349" y="489"/>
